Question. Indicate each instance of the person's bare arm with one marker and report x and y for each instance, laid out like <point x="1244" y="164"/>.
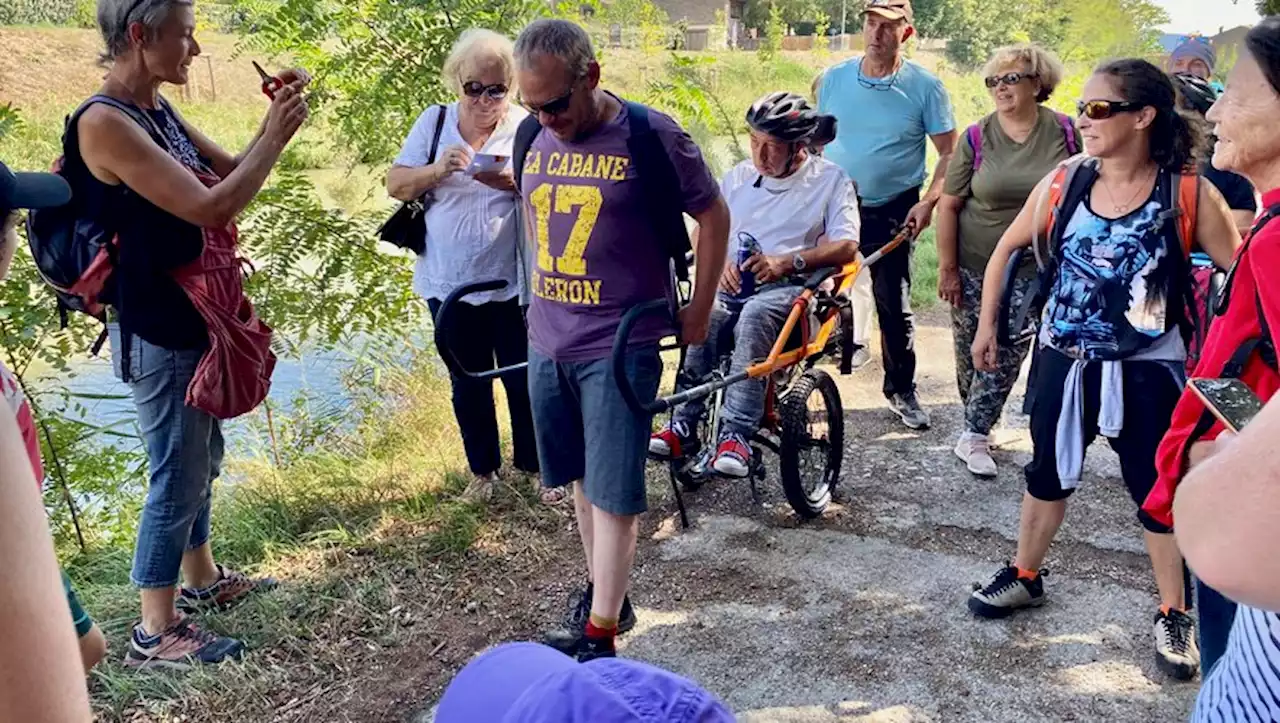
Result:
<point x="406" y="183"/>
<point x="223" y="162"/>
<point x="1244" y="220"/>
<point x="41" y="675"/>
<point x="831" y="253"/>
<point x="117" y="149"/>
<point x="948" y="243"/>
<point x="1216" y="230"/>
<point x="1228" y="514"/>
<point x="712" y="247"/>
<point x="922" y="213"/>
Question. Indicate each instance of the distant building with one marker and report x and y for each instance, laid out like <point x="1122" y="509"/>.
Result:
<point x="700" y="16"/>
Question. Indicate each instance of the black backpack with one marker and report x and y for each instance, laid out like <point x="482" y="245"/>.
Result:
<point x="658" y="180"/>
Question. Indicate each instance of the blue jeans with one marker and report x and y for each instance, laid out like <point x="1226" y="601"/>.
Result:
<point x="755" y="330"/>
<point x="184" y="455"/>
<point x="587" y="432"/>
<point x="1215" y="615"/>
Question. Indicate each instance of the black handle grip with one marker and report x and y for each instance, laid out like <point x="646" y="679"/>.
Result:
<point x="621" y="343"/>
<point x="819" y="277"/>
<point x="444" y="331"/>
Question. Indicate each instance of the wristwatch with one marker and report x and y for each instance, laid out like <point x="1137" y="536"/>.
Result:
<point x="798" y="263"/>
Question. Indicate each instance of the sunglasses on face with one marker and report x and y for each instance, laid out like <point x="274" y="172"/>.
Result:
<point x="555" y="106"/>
<point x="1103" y="109"/>
<point x="475" y="89"/>
<point x="995" y="81"/>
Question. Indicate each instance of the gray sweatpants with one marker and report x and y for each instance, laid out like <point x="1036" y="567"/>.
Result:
<point x="757" y="328"/>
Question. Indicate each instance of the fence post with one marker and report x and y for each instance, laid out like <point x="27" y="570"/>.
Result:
<point x="213" y="84"/>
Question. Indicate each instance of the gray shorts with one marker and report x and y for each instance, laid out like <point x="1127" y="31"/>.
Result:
<point x="587" y="432"/>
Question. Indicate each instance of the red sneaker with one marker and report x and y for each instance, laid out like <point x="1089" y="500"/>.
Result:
<point x="677" y="441"/>
<point x="733" y="456"/>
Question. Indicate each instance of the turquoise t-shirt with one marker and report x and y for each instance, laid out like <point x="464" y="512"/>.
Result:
<point x="883" y="125"/>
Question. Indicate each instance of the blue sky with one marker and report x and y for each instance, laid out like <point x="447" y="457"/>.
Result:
<point x="1207" y="16"/>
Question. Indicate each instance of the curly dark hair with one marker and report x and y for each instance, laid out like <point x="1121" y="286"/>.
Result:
<point x="1177" y="140"/>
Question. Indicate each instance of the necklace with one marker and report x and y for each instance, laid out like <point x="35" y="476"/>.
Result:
<point x="1119" y="208"/>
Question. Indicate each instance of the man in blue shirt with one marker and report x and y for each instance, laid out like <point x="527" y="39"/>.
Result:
<point x="886" y="107"/>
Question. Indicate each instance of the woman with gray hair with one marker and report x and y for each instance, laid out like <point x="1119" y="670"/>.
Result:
<point x="996" y="164"/>
<point x="471" y="236"/>
<point x="171" y="196"/>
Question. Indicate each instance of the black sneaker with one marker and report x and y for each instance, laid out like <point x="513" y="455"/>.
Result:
<point x="1176" y="651"/>
<point x="1006" y="593"/>
<point x="569" y="637"/>
<point x="589" y="649"/>
<point x="907" y="406"/>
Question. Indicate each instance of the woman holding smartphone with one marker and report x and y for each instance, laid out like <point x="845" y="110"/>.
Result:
<point x="1240" y="342"/>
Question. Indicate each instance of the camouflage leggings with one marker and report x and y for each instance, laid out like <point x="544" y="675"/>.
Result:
<point x="984" y="393"/>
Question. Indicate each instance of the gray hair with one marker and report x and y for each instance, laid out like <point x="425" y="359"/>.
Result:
<point x="115" y="17"/>
<point x="557" y="39"/>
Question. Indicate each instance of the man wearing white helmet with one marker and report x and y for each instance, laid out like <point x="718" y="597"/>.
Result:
<point x="798" y="212"/>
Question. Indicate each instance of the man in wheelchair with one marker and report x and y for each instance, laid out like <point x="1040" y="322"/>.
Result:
<point x="802" y="211"/>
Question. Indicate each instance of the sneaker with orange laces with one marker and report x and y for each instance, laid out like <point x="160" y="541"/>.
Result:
<point x="232" y="588"/>
<point x="675" y="441"/>
<point x="179" y="647"/>
<point x="733" y="456"/>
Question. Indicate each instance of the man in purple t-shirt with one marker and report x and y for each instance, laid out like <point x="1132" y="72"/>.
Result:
<point x="597" y="253"/>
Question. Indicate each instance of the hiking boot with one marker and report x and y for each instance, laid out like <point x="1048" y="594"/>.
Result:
<point x="733" y="456"/>
<point x="179" y="647"/>
<point x="1176" y="651"/>
<point x="570" y="636"/>
<point x="908" y="407"/>
<point x="677" y="441"/>
<point x="1006" y="593"/>
<point x="232" y="588"/>
<point x="480" y="488"/>
<point x="861" y="358"/>
<point x="975" y="452"/>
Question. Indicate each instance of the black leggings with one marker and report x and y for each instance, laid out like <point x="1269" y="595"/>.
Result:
<point x="1150" y="394"/>
<point x="495" y="330"/>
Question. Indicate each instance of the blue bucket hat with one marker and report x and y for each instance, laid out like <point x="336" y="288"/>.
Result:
<point x="532" y="683"/>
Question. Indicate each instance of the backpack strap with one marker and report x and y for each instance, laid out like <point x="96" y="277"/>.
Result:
<point x="1188" y="200"/>
<point x="974" y="134"/>
<point x="435" y="139"/>
<point x="1072" y="180"/>
<point x="526" y="132"/>
<point x="1068" y="132"/>
<point x="661" y="186"/>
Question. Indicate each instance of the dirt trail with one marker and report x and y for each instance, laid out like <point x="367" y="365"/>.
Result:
<point x="861" y="616"/>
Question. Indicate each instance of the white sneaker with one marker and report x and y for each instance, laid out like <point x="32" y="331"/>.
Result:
<point x="861" y="358"/>
<point x="975" y="452"/>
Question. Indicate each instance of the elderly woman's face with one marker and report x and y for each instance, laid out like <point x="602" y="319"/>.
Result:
<point x="1013" y="88"/>
<point x="170" y="50"/>
<point x="1244" y="119"/>
<point x="485" y="87"/>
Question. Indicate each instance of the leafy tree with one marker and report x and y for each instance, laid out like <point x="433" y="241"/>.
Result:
<point x="1268" y="7"/>
<point x="774" y="29"/>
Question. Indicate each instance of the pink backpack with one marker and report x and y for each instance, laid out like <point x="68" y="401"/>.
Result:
<point x="974" y="134"/>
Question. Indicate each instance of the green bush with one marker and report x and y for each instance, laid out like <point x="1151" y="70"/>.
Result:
<point x="37" y="12"/>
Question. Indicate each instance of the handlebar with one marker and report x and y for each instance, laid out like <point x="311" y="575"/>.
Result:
<point x="444" y="324"/>
<point x="1012" y="321"/>
<point x="620" y="344"/>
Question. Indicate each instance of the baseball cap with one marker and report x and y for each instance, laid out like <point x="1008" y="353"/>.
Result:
<point x="891" y="9"/>
<point x="533" y="683"/>
<point x="31" y="190"/>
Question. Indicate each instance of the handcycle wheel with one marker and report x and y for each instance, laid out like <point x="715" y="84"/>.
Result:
<point x="812" y="442"/>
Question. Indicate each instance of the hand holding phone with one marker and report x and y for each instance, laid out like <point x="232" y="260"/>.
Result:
<point x="1230" y="400"/>
<point x="486" y="163"/>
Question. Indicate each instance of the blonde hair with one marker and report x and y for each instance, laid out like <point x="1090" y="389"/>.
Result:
<point x="477" y="47"/>
<point x="1039" y="62"/>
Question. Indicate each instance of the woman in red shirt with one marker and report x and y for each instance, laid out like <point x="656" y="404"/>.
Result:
<point x="1239" y="343"/>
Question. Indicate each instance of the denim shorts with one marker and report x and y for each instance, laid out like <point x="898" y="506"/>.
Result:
<point x="587" y="432"/>
<point x="184" y="456"/>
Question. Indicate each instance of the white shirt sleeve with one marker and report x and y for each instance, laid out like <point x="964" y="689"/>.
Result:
<point x="418" y="145"/>
<point x="843" y="223"/>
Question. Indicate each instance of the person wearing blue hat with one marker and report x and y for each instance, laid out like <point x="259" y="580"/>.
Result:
<point x="1194" y="56"/>
<point x="534" y="683"/>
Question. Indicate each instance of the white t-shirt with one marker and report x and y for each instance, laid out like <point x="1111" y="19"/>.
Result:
<point x="788" y="215"/>
<point x="465" y="238"/>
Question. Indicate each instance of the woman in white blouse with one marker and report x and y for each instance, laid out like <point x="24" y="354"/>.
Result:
<point x="469" y="239"/>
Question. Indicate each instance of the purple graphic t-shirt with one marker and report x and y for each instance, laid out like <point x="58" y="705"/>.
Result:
<point x="597" y="253"/>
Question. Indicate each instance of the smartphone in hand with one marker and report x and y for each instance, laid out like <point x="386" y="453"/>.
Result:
<point x="486" y="163"/>
<point x="1230" y="400"/>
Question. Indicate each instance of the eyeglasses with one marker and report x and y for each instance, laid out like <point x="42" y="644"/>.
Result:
<point x="994" y="81"/>
<point x="877" y="83"/>
<point x="1103" y="109"/>
<point x="555" y="106"/>
<point x="475" y="89"/>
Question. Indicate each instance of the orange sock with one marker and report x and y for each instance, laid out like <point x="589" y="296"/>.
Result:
<point x="1164" y="609"/>
<point x="1025" y="574"/>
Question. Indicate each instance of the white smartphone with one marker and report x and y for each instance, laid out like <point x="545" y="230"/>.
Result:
<point x="486" y="163"/>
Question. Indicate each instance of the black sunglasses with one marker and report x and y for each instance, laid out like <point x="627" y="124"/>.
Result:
<point x="475" y="89"/>
<point x="555" y="106"/>
<point x="994" y="81"/>
<point x="1103" y="109"/>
